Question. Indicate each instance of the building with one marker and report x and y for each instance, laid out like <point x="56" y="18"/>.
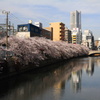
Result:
<point x="76" y="36"/>
<point x="97" y="44"/>
<point x="38" y="24"/>
<point x="30" y="30"/>
<point x="4" y="32"/>
<point x="46" y="33"/>
<point x="75" y="24"/>
<point x="68" y="35"/>
<point x="58" y="31"/>
<point x="75" y="19"/>
<point x="88" y="39"/>
<point x="51" y="31"/>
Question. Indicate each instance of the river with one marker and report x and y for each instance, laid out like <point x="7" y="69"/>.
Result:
<point x="75" y="79"/>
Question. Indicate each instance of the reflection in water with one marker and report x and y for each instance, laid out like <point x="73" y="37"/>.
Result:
<point x="90" y="68"/>
<point x="54" y="84"/>
<point x="76" y="80"/>
<point x="98" y="62"/>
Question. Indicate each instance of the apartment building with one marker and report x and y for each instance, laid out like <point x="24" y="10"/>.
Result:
<point x="58" y="31"/>
<point x="68" y="35"/>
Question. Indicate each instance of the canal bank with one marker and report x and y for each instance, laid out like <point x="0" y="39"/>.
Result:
<point x="31" y="53"/>
<point x="10" y="69"/>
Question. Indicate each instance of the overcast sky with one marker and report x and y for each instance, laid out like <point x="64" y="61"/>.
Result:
<point x="47" y="11"/>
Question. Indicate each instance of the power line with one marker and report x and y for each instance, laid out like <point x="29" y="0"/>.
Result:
<point x="16" y="18"/>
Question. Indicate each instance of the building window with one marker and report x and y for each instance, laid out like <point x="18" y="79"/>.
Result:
<point x="20" y="29"/>
<point x="23" y="29"/>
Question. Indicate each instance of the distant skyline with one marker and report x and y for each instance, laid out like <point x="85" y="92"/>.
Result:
<point x="47" y="11"/>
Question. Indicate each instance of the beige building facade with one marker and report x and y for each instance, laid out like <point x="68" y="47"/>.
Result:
<point x="58" y="31"/>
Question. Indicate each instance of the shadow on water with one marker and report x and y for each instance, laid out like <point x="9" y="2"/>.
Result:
<point x="34" y="83"/>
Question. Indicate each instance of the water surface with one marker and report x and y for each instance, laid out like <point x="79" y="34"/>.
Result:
<point x="77" y="79"/>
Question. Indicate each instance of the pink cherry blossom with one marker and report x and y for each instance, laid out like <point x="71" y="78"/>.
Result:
<point x="38" y="49"/>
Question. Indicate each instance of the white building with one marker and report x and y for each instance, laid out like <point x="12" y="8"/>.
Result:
<point x="38" y="24"/>
<point x="76" y="36"/>
<point x="98" y="45"/>
<point x="88" y="39"/>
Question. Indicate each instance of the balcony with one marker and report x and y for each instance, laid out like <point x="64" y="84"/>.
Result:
<point x="62" y="38"/>
<point x="63" y="28"/>
<point x="62" y="34"/>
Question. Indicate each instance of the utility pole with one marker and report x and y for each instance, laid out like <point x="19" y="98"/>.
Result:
<point x="13" y="28"/>
<point x="6" y="12"/>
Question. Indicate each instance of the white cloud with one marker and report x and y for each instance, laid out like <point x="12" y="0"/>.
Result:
<point x="27" y="8"/>
<point x="53" y="10"/>
<point x="86" y="6"/>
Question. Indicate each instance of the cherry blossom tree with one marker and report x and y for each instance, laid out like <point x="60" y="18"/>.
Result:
<point x="38" y="49"/>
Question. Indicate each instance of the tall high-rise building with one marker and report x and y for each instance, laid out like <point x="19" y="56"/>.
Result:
<point x="75" y="24"/>
<point x="75" y="19"/>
